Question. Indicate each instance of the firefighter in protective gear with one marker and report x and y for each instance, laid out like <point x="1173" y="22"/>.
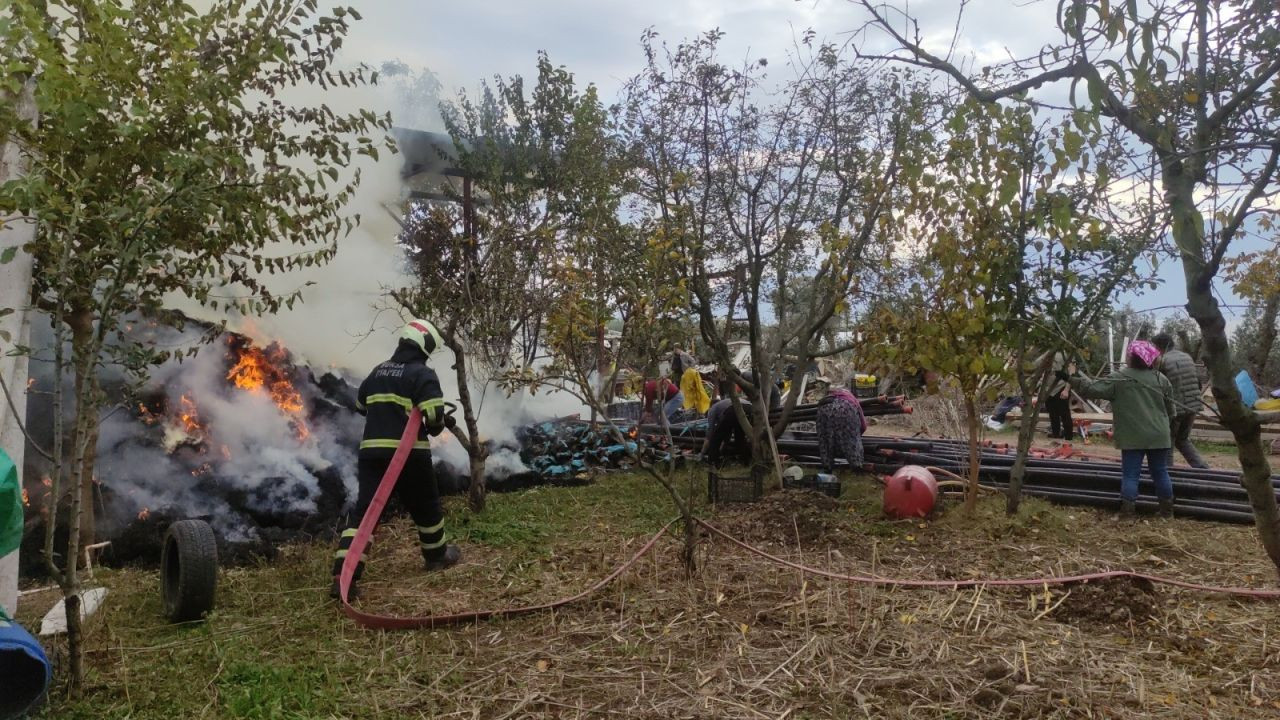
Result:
<point x="386" y="398"/>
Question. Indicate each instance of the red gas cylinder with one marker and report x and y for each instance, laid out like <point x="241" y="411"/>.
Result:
<point x="910" y="492"/>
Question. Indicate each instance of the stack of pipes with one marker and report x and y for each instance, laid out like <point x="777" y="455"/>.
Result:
<point x="1051" y="474"/>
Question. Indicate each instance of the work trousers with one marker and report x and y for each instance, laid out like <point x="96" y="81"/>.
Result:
<point x="1131" y="469"/>
<point x="1059" y="410"/>
<point x="417" y="490"/>
<point x="839" y="433"/>
<point x="1180" y="430"/>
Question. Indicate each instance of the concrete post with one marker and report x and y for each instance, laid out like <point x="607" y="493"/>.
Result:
<point x="15" y="293"/>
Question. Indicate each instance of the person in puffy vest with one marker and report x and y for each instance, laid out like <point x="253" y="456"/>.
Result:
<point x="386" y="397"/>
<point x="1185" y="379"/>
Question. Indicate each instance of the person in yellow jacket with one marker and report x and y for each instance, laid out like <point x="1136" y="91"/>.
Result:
<point x="694" y="393"/>
<point x="684" y="371"/>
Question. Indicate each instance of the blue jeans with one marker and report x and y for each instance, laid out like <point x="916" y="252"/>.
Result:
<point x="1131" y="468"/>
<point x="671" y="406"/>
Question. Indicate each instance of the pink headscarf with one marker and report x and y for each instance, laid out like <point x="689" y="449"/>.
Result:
<point x="1145" y="351"/>
<point x="850" y="398"/>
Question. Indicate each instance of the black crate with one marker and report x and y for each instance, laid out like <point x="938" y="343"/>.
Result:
<point x="828" y="485"/>
<point x="736" y="488"/>
<point x="627" y="410"/>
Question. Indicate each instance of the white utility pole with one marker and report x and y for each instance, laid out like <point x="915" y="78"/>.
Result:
<point x="15" y="293"/>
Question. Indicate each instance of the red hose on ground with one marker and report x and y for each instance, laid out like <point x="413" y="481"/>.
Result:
<point x="365" y="532"/>
<point x="1007" y="582"/>
<point x="386" y="622"/>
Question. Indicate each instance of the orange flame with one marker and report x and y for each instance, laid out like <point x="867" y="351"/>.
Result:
<point x="46" y="481"/>
<point x="26" y="499"/>
<point x="144" y="513"/>
<point x="189" y="417"/>
<point x="145" y="414"/>
<point x="260" y="371"/>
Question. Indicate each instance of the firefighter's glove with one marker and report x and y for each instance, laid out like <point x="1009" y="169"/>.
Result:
<point x="449" y="422"/>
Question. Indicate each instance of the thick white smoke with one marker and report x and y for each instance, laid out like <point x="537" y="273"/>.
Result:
<point x="242" y="441"/>
<point x="343" y="322"/>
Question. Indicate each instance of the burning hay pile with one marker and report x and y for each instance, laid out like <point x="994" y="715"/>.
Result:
<point x="239" y="435"/>
<point x="245" y="437"/>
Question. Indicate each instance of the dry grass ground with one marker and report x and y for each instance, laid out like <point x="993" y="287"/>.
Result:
<point x="741" y="639"/>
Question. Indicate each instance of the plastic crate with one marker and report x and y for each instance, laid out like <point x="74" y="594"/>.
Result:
<point x="736" y="488"/>
<point x="629" y="410"/>
<point x="828" y="485"/>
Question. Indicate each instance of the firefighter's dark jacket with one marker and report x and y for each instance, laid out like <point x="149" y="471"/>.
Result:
<point x="386" y="396"/>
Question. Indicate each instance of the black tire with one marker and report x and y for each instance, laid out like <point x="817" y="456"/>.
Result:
<point x="188" y="570"/>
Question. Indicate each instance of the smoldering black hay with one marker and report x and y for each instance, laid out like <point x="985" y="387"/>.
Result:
<point x="241" y="434"/>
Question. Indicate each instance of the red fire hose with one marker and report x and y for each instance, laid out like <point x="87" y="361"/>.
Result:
<point x="386" y="622"/>
<point x="365" y="532"/>
<point x="1003" y="582"/>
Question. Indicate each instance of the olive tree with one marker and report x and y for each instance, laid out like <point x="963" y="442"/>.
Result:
<point x="1193" y="84"/>
<point x="536" y="174"/>
<point x="746" y="182"/>
<point x="168" y="161"/>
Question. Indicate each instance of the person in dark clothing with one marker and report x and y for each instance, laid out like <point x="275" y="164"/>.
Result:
<point x="681" y="361"/>
<point x="724" y="432"/>
<point x="1181" y="371"/>
<point x="770" y="389"/>
<point x="386" y="397"/>
<point x="1058" y="402"/>
<point x="1006" y="404"/>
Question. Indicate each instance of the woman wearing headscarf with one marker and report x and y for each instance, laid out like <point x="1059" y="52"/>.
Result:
<point x="1141" y="405"/>
<point x="840" y="426"/>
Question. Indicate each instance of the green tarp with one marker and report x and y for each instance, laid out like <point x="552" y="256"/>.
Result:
<point x="10" y="506"/>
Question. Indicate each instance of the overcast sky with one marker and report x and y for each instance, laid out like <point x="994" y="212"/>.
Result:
<point x="599" y="41"/>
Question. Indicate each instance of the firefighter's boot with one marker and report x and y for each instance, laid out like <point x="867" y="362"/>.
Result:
<point x="446" y="558"/>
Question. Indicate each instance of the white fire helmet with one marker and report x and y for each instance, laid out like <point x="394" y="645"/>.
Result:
<point x="423" y="334"/>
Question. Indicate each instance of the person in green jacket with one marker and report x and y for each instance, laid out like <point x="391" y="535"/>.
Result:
<point x="1141" y="406"/>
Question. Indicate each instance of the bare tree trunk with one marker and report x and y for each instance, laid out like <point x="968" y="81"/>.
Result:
<point x="1188" y="234"/>
<point x="971" y="419"/>
<point x="70" y="584"/>
<point x="1032" y="389"/>
<point x="475" y="447"/>
<point x="690" y="547"/>
<point x="477" y="489"/>
<point x="1266" y="337"/>
<point x="81" y="323"/>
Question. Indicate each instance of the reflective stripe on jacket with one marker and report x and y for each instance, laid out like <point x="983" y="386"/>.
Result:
<point x="387" y="395"/>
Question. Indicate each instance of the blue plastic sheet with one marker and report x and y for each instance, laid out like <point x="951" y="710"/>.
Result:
<point x="1248" y="392"/>
<point x="25" y="672"/>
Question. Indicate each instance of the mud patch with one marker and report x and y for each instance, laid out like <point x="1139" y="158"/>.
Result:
<point x="1116" y="602"/>
<point x="782" y="517"/>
